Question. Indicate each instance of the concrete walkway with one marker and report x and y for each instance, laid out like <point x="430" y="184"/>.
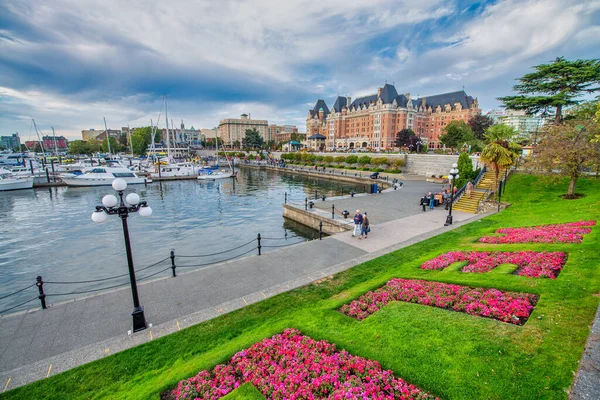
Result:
<point x="38" y="343"/>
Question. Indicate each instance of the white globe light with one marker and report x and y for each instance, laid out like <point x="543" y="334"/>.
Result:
<point x="450" y="177"/>
<point x="132" y="198"/>
<point x="109" y="201"/>
<point x="99" y="217"/>
<point x="457" y="176"/>
<point x="454" y="165"/>
<point x="119" y="184"/>
<point x="145" y="211"/>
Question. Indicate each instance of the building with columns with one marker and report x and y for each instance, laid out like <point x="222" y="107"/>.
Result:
<point x="373" y="121"/>
<point x="234" y="129"/>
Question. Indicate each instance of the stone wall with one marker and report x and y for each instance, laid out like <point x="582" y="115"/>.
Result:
<point x="312" y="220"/>
<point x="417" y="164"/>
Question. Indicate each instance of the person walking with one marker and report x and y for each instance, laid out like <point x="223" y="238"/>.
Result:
<point x="358" y="219"/>
<point x="469" y="189"/>
<point x="431" y="200"/>
<point x="365" y="229"/>
<point x="424" y="202"/>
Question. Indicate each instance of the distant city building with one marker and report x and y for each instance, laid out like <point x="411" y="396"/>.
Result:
<point x="283" y="133"/>
<point x="528" y="126"/>
<point x="51" y="144"/>
<point x="12" y="142"/>
<point x="234" y="129"/>
<point x="99" y="134"/>
<point x="208" y="134"/>
<point x="373" y="121"/>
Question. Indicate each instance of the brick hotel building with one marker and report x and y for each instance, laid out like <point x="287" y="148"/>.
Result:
<point x="373" y="121"/>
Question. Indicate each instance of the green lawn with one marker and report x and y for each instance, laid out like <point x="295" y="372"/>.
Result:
<point x="449" y="354"/>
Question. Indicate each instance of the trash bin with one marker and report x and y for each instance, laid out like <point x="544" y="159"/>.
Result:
<point x="374" y="188"/>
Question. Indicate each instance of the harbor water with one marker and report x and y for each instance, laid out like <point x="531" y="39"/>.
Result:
<point x="49" y="232"/>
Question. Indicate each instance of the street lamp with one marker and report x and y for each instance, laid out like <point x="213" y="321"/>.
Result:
<point x="122" y="208"/>
<point x="452" y="177"/>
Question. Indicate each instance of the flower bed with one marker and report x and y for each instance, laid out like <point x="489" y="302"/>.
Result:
<point x="533" y="264"/>
<point x="571" y="232"/>
<point x="293" y="366"/>
<point x="510" y="307"/>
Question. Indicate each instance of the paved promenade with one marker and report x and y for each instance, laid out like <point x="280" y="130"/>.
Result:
<point x="40" y="343"/>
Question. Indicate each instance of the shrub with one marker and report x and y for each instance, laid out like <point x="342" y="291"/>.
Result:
<point x="399" y="162"/>
<point x="310" y="158"/>
<point x="328" y="159"/>
<point x="351" y="159"/>
<point x="380" y="161"/>
<point x="319" y="158"/>
<point x="364" y="160"/>
<point x="352" y="167"/>
<point x="377" y="169"/>
<point x="394" y="171"/>
<point x="339" y="159"/>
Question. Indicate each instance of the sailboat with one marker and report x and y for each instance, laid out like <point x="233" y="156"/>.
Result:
<point x="214" y="174"/>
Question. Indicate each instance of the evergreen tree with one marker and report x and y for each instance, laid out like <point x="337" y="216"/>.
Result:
<point x="465" y="170"/>
<point x="253" y="139"/>
<point x="555" y="86"/>
<point x="403" y="138"/>
<point x="457" y="133"/>
<point x="479" y="123"/>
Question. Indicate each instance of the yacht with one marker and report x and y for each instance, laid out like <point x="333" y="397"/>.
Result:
<point x="9" y="181"/>
<point x="12" y="159"/>
<point x="211" y="175"/>
<point x="175" y="170"/>
<point x="101" y="176"/>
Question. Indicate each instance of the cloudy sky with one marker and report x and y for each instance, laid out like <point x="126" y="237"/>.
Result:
<point x="69" y="63"/>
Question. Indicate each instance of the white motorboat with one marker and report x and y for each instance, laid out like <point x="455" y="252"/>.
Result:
<point x="175" y="170"/>
<point x="101" y="176"/>
<point x="9" y="181"/>
<point x="211" y="175"/>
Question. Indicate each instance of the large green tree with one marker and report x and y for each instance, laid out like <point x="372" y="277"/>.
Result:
<point x="456" y="134"/>
<point x="567" y="149"/>
<point x="78" y="147"/>
<point x="140" y="139"/>
<point x="499" y="151"/>
<point x="465" y="170"/>
<point x="555" y="86"/>
<point x="114" y="145"/>
<point x="253" y="139"/>
<point x="403" y="138"/>
<point x="479" y="123"/>
<point x="94" y="146"/>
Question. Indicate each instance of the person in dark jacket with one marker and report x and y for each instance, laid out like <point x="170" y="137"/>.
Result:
<point x="365" y="226"/>
<point x="358" y="219"/>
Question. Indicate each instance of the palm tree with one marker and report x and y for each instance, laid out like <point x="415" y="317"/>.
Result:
<point x="499" y="152"/>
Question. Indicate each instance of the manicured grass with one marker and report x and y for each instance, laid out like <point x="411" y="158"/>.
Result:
<point x="449" y="354"/>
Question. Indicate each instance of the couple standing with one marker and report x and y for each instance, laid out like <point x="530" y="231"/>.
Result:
<point x="361" y="225"/>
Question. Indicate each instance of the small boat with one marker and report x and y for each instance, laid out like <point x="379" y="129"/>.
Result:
<point x="101" y="176"/>
<point x="9" y="181"/>
<point x="210" y="175"/>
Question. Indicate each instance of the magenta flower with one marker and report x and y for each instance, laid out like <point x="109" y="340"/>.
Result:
<point x="530" y="263"/>
<point x="510" y="307"/>
<point x="571" y="232"/>
<point x="293" y="366"/>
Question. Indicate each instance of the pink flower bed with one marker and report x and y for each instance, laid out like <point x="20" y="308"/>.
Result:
<point x="293" y="366"/>
<point x="533" y="264"/>
<point x="510" y="307"/>
<point x="571" y="232"/>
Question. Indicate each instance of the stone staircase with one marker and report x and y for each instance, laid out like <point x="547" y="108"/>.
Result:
<point x="485" y="185"/>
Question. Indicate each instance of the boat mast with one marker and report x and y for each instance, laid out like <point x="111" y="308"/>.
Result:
<point x="55" y="146"/>
<point x="37" y="132"/>
<point x="174" y="135"/>
<point x="168" y="134"/>
<point x="130" y="144"/>
<point x="107" y="136"/>
<point x="153" y="133"/>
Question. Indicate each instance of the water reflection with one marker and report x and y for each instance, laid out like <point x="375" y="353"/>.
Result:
<point x="49" y="232"/>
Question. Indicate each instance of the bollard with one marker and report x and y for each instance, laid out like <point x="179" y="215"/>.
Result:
<point x="42" y="296"/>
<point x="259" y="247"/>
<point x="306" y="203"/>
<point x="285" y="198"/>
<point x="316" y="194"/>
<point x="47" y="175"/>
<point x="31" y="166"/>
<point x="323" y="197"/>
<point x="332" y="211"/>
<point x="173" y="262"/>
<point x="320" y="230"/>
<point x="53" y="172"/>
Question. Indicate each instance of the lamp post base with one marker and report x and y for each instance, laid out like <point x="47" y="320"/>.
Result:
<point x="139" y="321"/>
<point x="448" y="220"/>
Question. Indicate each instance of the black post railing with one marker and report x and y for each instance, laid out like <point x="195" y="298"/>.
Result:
<point x="332" y="211"/>
<point x="173" y="262"/>
<point x="42" y="296"/>
<point x="285" y="198"/>
<point x="259" y="246"/>
<point x="320" y="230"/>
<point x="306" y="203"/>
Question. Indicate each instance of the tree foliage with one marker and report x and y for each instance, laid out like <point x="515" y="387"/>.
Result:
<point x="88" y="147"/>
<point x="479" y="123"/>
<point x="140" y="139"/>
<point x="555" y="86"/>
<point x="114" y="145"/>
<point x="567" y="149"/>
<point x="253" y="139"/>
<point x="499" y="152"/>
<point x="465" y="170"/>
<point x="403" y="137"/>
<point x="457" y="133"/>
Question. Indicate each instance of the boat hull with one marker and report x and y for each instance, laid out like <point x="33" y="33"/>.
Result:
<point x="16" y="184"/>
<point x="100" y="181"/>
<point x="212" y="177"/>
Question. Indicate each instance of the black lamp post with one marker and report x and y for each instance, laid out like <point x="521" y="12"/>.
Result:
<point x="453" y="176"/>
<point x="122" y="208"/>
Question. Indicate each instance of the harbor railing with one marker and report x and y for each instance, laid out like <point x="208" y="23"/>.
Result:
<point x="44" y="289"/>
